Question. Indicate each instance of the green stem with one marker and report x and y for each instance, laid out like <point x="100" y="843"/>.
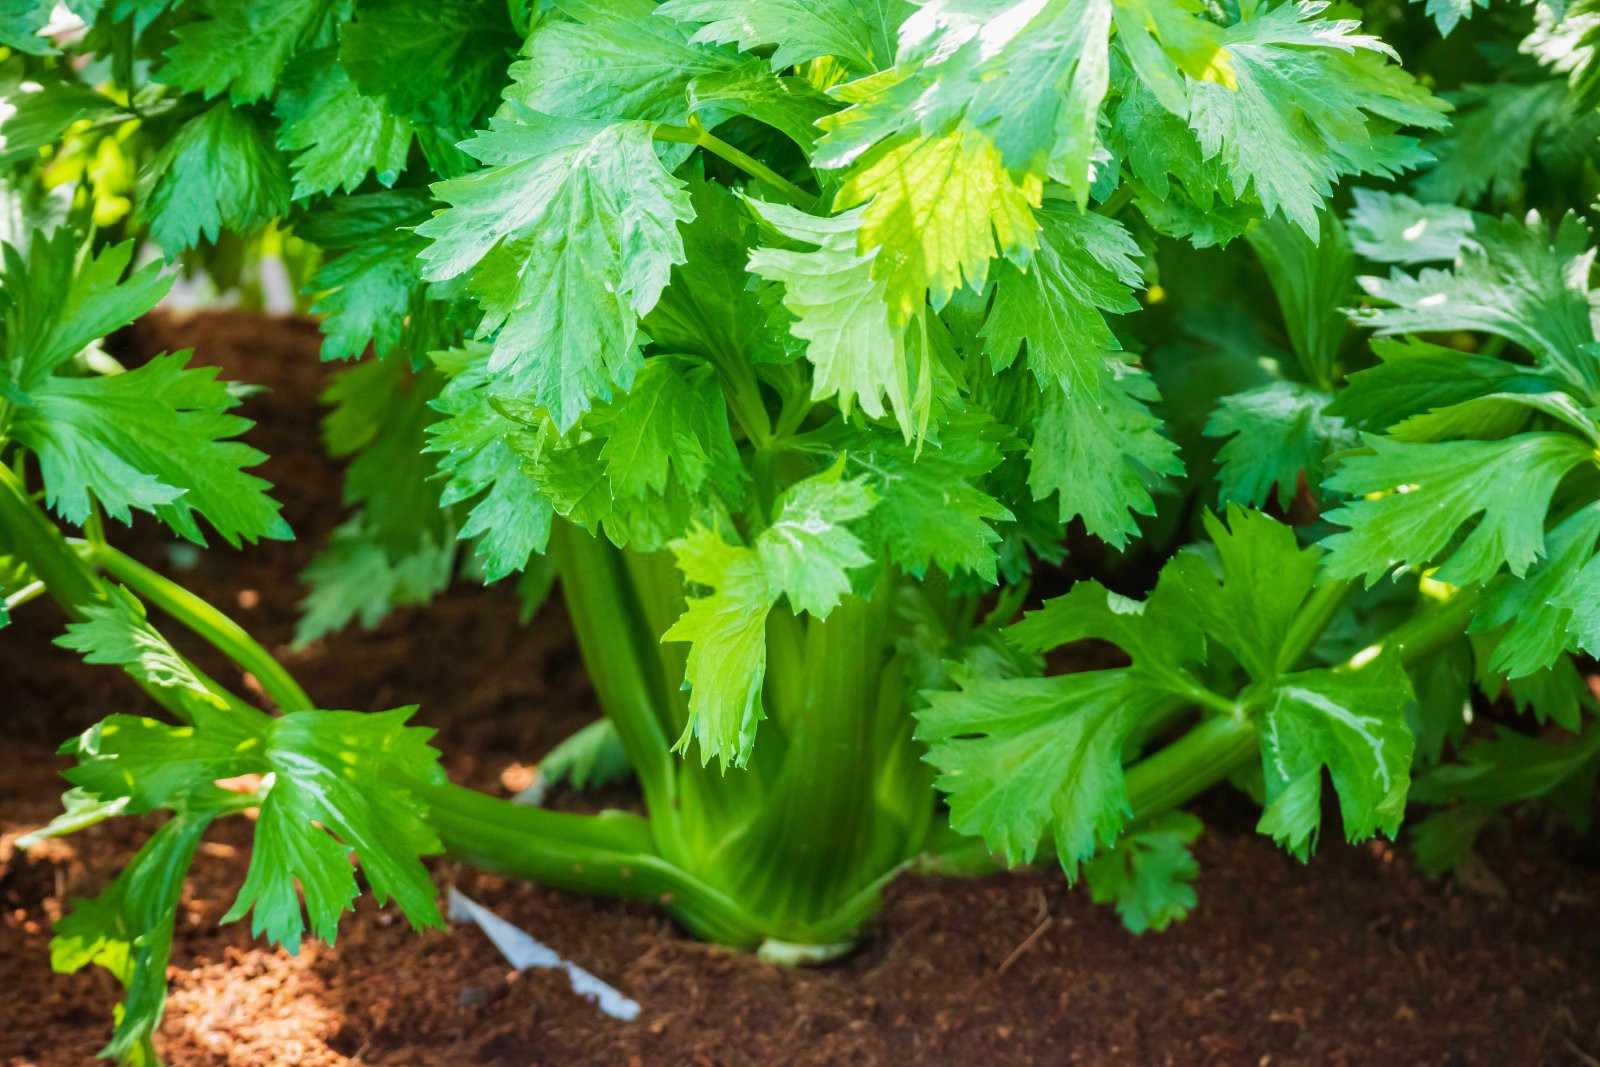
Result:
<point x="94" y="529"/>
<point x="816" y="835"/>
<point x="792" y="416"/>
<point x="703" y="138"/>
<point x="1200" y="696"/>
<point x="34" y="539"/>
<point x="211" y="625"/>
<point x="1115" y="202"/>
<point x="72" y="583"/>
<point x="1309" y="622"/>
<point x="1223" y="744"/>
<point x="1423" y="633"/>
<point x="611" y="854"/>
<point x="745" y="402"/>
<point x="25" y="594"/>
<point x="605" y="620"/>
<point x="947" y="851"/>
<point x="1183" y="770"/>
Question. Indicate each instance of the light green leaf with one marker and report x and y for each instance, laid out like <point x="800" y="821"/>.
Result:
<point x="481" y="452"/>
<point x="80" y="810"/>
<point x="1507" y="768"/>
<point x="1304" y="101"/>
<point x="1094" y="414"/>
<point x="645" y="467"/>
<point x="20" y="23"/>
<point x="117" y="633"/>
<point x="1177" y="189"/>
<point x="40" y="111"/>
<point x="569" y="234"/>
<point x="371" y="291"/>
<point x="367" y="294"/>
<point x="937" y="209"/>
<point x="859" y="32"/>
<point x="1393" y="228"/>
<point x="354" y="578"/>
<point x="673" y="422"/>
<point x="1028" y="77"/>
<point x="808" y="552"/>
<point x="1109" y="429"/>
<point x="1547" y="609"/>
<point x="573" y="478"/>
<point x="127" y="929"/>
<point x="788" y="105"/>
<point x="1416" y="377"/>
<point x="1551" y="695"/>
<point x="380" y="412"/>
<point x="1312" y="275"/>
<point x="805" y="555"/>
<point x="1248" y="607"/>
<point x="1442" y="711"/>
<point x="54" y="304"/>
<point x="156" y="765"/>
<point x="340" y="785"/>
<point x="612" y="61"/>
<point x="1447" y="13"/>
<point x="710" y="308"/>
<point x="727" y="634"/>
<point x="842" y="312"/>
<point x="1168" y="42"/>
<point x="931" y="509"/>
<point x="1035" y="93"/>
<point x="1084" y="268"/>
<point x="438" y="62"/>
<point x="1515" y="283"/>
<point x="591" y="758"/>
<point x="1489" y="145"/>
<point x="1497" y="415"/>
<point x="1161" y="644"/>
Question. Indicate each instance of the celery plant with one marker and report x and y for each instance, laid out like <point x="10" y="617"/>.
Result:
<point x="790" y="338"/>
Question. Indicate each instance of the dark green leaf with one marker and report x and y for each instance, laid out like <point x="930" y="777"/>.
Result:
<point x="156" y="439"/>
<point x="219" y="171"/>
<point x="1431" y="491"/>
<point x="1354" y="723"/>
<point x="1148" y="874"/>
<point x="1018" y="757"/>
<point x="338" y="133"/>
<point x="1277" y="434"/>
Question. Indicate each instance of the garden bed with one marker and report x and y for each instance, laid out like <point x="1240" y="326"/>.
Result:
<point x="1356" y="960"/>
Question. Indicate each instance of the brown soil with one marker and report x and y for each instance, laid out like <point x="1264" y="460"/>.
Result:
<point x="1355" y="959"/>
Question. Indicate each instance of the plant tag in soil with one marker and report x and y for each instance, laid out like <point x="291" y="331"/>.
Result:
<point x="522" y="951"/>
